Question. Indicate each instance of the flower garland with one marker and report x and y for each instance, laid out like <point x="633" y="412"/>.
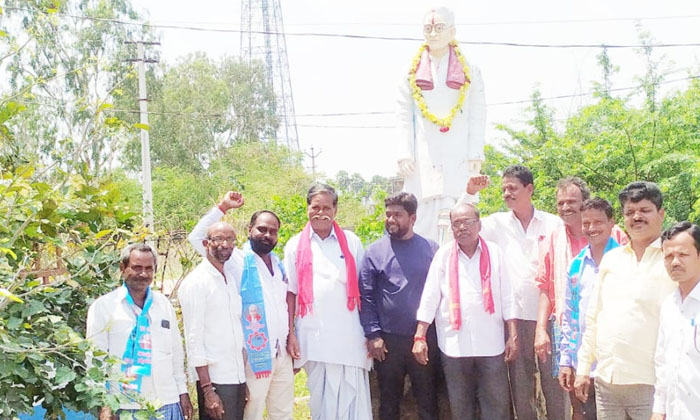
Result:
<point x="446" y="122"/>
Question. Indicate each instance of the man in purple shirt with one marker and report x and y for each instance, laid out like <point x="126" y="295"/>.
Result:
<point x="392" y="276"/>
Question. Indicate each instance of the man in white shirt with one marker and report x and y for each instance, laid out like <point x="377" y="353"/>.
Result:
<point x="329" y="344"/>
<point x="269" y="377"/>
<point x="139" y="326"/>
<point x="677" y="360"/>
<point x="521" y="233"/>
<point x="211" y="311"/>
<point x="468" y="294"/>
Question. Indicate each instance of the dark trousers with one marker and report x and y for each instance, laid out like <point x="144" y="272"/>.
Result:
<point x="522" y="377"/>
<point x="477" y="380"/>
<point x="233" y="397"/>
<point x="392" y="372"/>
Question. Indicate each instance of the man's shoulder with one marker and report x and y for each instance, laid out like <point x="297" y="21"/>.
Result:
<point x="611" y="258"/>
<point x="379" y="245"/>
<point x="292" y="243"/>
<point x="109" y="299"/>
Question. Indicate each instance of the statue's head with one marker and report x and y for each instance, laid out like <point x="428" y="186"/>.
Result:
<point x="439" y="28"/>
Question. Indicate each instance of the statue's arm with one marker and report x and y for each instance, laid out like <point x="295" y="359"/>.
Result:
<point x="405" y="124"/>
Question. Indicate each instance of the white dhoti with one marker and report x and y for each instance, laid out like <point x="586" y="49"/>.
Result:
<point x="338" y="392"/>
<point x="433" y="218"/>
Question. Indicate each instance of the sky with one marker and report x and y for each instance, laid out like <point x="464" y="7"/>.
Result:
<point x="344" y="75"/>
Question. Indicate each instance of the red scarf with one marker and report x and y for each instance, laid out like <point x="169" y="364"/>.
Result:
<point x="486" y="293"/>
<point x="304" y="266"/>
<point x="455" y="73"/>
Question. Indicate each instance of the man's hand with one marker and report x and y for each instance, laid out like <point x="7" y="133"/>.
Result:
<point x="213" y="405"/>
<point x="106" y="414"/>
<point x="231" y="200"/>
<point x="247" y="394"/>
<point x="511" y="349"/>
<point x="477" y="183"/>
<point x="543" y="346"/>
<point x="581" y="385"/>
<point x="293" y="346"/>
<point x="420" y="351"/>
<point x="186" y="406"/>
<point x="657" y="416"/>
<point x="377" y="349"/>
<point x="566" y="378"/>
<point x="406" y="167"/>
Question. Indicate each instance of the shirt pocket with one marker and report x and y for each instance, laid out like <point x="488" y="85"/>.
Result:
<point x="162" y="337"/>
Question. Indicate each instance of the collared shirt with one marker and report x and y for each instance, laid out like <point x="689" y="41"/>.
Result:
<point x="623" y="316"/>
<point x="211" y="311"/>
<point x="330" y="333"/>
<point x="579" y="287"/>
<point x="274" y="284"/>
<point x="481" y="333"/>
<point x="677" y="390"/>
<point x="521" y="251"/>
<point x="552" y="278"/>
<point x="392" y="276"/>
<point x="110" y="321"/>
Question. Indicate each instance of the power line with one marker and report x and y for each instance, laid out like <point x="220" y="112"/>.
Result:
<point x="365" y="37"/>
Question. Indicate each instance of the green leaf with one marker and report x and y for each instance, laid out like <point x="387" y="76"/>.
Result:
<point x="103" y="233"/>
<point x="103" y="107"/>
<point x="64" y="375"/>
<point x="7" y="295"/>
<point x="9" y="252"/>
<point x="142" y="126"/>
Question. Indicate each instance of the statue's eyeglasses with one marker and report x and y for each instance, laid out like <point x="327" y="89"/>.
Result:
<point x="437" y="27"/>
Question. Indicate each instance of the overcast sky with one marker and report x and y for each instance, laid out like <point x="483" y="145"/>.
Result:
<point x="343" y="75"/>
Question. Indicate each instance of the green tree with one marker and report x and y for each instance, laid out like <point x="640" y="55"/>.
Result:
<point x="198" y="107"/>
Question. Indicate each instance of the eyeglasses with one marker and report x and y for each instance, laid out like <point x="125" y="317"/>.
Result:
<point x="218" y="240"/>
<point x="437" y="27"/>
<point x="467" y="223"/>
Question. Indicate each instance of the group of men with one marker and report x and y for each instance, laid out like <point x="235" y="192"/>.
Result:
<point x="516" y="295"/>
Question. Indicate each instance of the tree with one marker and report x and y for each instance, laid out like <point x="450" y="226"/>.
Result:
<point x="69" y="68"/>
<point x="198" y="108"/>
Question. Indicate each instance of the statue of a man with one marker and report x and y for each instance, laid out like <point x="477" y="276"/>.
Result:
<point x="442" y="118"/>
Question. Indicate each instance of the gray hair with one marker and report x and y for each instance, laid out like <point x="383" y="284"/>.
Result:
<point x="140" y="247"/>
<point x="578" y="183"/>
<point x="459" y="204"/>
<point x="443" y="11"/>
<point x="320" y="188"/>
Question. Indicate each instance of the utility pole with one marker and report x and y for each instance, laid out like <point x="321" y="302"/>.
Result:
<point x="145" y="142"/>
<point x="313" y="157"/>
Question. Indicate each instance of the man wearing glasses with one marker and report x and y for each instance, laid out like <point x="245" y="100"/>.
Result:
<point x="211" y="311"/>
<point x="441" y="124"/>
<point x="677" y="393"/>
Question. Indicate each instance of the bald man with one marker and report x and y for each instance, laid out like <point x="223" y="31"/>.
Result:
<point x="211" y="311"/>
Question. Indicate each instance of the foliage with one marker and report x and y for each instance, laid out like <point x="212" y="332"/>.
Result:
<point x="198" y="108"/>
<point x="68" y="68"/>
<point x="70" y="223"/>
<point x="611" y="143"/>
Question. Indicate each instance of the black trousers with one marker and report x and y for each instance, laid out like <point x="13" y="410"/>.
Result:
<point x="233" y="397"/>
<point x="392" y="372"/>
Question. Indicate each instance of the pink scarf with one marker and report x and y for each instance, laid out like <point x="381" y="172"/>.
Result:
<point x="486" y="294"/>
<point x="304" y="266"/>
<point x="455" y="73"/>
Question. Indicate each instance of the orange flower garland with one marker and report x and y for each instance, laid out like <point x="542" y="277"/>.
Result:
<point x="446" y="122"/>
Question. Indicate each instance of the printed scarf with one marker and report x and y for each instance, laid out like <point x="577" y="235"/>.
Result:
<point x="136" y="361"/>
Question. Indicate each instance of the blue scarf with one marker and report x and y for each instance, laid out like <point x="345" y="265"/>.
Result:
<point x="256" y="337"/>
<point x="136" y="361"/>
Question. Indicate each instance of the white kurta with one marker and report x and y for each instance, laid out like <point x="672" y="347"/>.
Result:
<point x="441" y="159"/>
<point x="331" y="339"/>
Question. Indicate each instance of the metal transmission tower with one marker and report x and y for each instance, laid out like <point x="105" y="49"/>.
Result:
<point x="262" y="37"/>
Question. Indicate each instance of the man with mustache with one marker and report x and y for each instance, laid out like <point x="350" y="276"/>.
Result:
<point x="677" y="391"/>
<point x="468" y="294"/>
<point x="597" y="224"/>
<point x="211" y="311"/>
<point x="520" y="233"/>
<point x="139" y="326"/>
<point x="622" y="319"/>
<point x="323" y="290"/>
<point x="259" y="276"/>
<point x="392" y="276"/>
<point x="564" y="243"/>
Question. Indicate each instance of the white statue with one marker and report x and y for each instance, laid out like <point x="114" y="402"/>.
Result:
<point x="442" y="118"/>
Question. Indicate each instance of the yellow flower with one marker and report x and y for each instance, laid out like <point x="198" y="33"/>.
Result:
<point x="417" y="93"/>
